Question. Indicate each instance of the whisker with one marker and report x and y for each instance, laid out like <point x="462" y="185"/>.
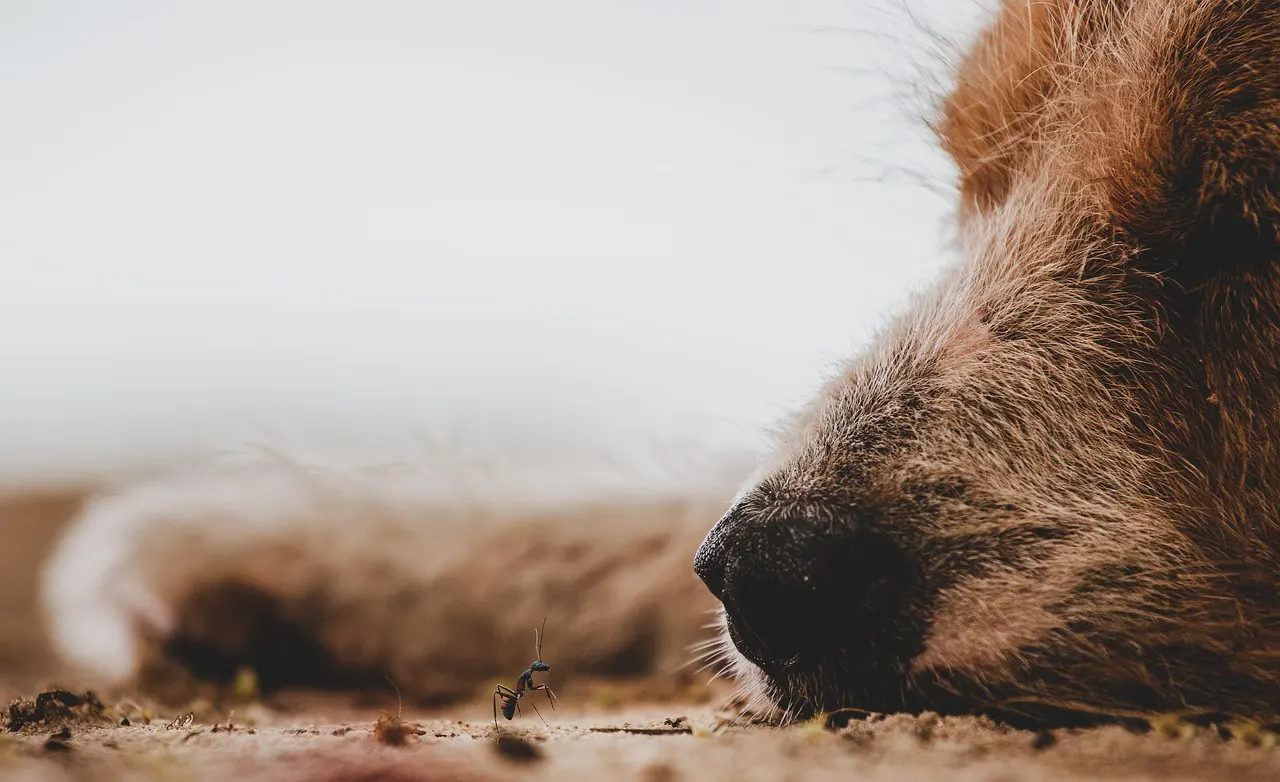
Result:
<point x="719" y="672"/>
<point x="707" y="659"/>
<point x="710" y="642"/>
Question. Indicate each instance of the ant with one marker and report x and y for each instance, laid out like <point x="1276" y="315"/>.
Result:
<point x="524" y="684"/>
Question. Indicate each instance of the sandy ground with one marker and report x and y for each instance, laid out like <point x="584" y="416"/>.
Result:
<point x="634" y="743"/>
<point x="603" y="730"/>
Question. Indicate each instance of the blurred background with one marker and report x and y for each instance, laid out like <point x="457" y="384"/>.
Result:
<point x="581" y="238"/>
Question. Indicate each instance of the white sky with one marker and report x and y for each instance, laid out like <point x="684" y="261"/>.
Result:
<point x="552" y="228"/>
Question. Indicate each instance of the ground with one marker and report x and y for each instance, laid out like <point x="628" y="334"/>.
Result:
<point x="602" y="730"/>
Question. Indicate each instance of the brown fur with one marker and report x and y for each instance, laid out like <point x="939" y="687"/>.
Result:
<point x="1099" y="374"/>
<point x="1073" y="434"/>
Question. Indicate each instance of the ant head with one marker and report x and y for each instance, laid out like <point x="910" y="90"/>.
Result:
<point x="539" y="665"/>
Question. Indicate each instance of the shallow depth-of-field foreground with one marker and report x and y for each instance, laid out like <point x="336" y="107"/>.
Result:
<point x="56" y="729"/>
<point x="642" y="741"/>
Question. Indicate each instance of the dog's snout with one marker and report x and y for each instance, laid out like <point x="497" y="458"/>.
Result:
<point x="796" y="586"/>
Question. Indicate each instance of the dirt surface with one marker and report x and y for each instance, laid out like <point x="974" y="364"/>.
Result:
<point x="647" y="743"/>
<point x="603" y="730"/>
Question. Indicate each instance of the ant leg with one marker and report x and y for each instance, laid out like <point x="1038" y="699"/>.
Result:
<point x="551" y="696"/>
<point x="535" y="709"/>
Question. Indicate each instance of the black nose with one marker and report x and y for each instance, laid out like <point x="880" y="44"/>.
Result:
<point x="799" y="587"/>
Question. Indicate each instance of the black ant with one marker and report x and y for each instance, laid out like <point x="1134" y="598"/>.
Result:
<point x="524" y="684"/>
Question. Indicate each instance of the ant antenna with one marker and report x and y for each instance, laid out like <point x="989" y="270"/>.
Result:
<point x="537" y="640"/>
<point x="399" y="700"/>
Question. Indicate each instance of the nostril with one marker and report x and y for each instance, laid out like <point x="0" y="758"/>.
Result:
<point x="708" y="565"/>
<point x="793" y="587"/>
<point x="722" y="544"/>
